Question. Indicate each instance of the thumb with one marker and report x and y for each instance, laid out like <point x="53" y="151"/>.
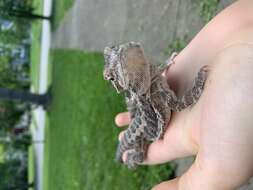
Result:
<point x="196" y="178"/>
<point x="193" y="179"/>
<point x="168" y="185"/>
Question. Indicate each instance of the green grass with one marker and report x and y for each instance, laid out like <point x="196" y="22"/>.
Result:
<point x="176" y="46"/>
<point x="35" y="45"/>
<point x="1" y="153"/>
<point x="207" y="9"/>
<point x="46" y="155"/>
<point x="81" y="137"/>
<point x="31" y="165"/>
<point x="60" y="7"/>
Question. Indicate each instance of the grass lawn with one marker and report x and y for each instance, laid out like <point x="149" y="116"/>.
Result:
<point x="1" y="153"/>
<point x="81" y="137"/>
<point x="31" y="165"/>
<point x="35" y="45"/>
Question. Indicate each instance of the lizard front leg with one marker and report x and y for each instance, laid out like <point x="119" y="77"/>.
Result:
<point x="130" y="137"/>
<point x="136" y="155"/>
<point x="164" y="100"/>
<point x="133" y="140"/>
<point x="190" y="97"/>
<point x="168" y="63"/>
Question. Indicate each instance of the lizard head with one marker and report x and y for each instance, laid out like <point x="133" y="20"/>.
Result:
<point x="112" y="69"/>
<point x="127" y="68"/>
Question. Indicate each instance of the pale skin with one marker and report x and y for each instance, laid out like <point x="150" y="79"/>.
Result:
<point x="219" y="128"/>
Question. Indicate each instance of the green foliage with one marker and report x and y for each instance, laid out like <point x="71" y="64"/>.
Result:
<point x="8" y="78"/>
<point x="19" y="10"/>
<point x="21" y="141"/>
<point x="14" y="40"/>
<point x="9" y="8"/>
<point x="10" y="114"/>
<point x="176" y="46"/>
<point x="13" y="167"/>
<point x="207" y="9"/>
<point x="17" y="4"/>
<point x="81" y="137"/>
<point x="12" y="177"/>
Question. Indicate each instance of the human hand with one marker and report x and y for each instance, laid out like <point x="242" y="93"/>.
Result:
<point x="218" y="129"/>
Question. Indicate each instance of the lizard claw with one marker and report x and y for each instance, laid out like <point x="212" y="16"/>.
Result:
<point x="133" y="158"/>
<point x="170" y="62"/>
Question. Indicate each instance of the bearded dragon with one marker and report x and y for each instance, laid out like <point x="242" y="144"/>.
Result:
<point x="149" y="98"/>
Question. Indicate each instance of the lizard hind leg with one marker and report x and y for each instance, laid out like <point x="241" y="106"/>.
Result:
<point x="119" y="153"/>
<point x="130" y="139"/>
<point x="134" y="158"/>
<point x="136" y="155"/>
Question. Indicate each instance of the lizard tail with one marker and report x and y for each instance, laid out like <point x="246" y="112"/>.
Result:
<point x="193" y="94"/>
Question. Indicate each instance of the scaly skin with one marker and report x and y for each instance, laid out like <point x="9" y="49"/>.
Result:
<point x="148" y="96"/>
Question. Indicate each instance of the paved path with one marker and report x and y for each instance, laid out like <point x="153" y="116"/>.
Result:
<point x="92" y="24"/>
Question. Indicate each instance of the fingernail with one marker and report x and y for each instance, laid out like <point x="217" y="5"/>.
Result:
<point x="117" y="120"/>
<point x="121" y="135"/>
<point x="124" y="157"/>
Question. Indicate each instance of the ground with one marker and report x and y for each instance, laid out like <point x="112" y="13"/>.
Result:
<point x="80" y="135"/>
<point x="90" y="25"/>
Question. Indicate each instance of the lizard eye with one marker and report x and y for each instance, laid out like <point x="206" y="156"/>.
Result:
<point x="107" y="75"/>
<point x="111" y="79"/>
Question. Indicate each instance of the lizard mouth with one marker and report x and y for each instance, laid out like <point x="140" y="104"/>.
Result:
<point x="115" y="84"/>
<point x="118" y="88"/>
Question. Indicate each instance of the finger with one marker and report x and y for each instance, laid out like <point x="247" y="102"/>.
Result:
<point x="198" y="177"/>
<point x="122" y="119"/>
<point x="193" y="179"/>
<point x="124" y="157"/>
<point x="176" y="143"/>
<point x="121" y="135"/>
<point x="169" y="62"/>
<point x="168" y="185"/>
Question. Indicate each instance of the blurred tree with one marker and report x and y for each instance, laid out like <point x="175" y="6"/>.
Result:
<point x="15" y="98"/>
<point x="26" y="97"/>
<point x="11" y="177"/>
<point x="22" y="141"/>
<point x="19" y="9"/>
<point x="9" y="116"/>
<point x="9" y="77"/>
